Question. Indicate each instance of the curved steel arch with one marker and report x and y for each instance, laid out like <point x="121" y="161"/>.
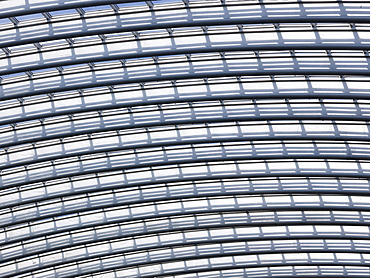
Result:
<point x="83" y="4"/>
<point x="153" y="203"/>
<point x="212" y="178"/>
<point x="209" y="228"/>
<point x="199" y="226"/>
<point x="318" y="96"/>
<point x="137" y="116"/>
<point x="184" y="163"/>
<point x="184" y="228"/>
<point x="232" y="254"/>
<point x="189" y="76"/>
<point x="91" y="243"/>
<point x="182" y="272"/>
<point x="184" y="24"/>
<point x="270" y="266"/>
<point x="257" y="140"/>
<point x="358" y="120"/>
<point x="61" y="7"/>
<point x="170" y="52"/>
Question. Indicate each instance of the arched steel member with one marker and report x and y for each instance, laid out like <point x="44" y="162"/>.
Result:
<point x="184" y="138"/>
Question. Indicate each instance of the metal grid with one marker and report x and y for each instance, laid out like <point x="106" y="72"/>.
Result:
<point x="184" y="138"/>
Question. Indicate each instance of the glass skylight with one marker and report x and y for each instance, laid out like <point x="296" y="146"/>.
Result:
<point x="184" y="138"/>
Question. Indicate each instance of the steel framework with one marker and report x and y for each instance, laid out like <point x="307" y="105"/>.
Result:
<point x="193" y="138"/>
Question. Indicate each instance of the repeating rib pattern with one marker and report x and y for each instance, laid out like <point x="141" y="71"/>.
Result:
<point x="193" y="138"/>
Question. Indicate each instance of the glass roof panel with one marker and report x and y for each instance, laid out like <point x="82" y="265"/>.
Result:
<point x="184" y="138"/>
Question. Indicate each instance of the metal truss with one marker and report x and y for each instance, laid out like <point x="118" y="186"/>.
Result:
<point x="184" y="138"/>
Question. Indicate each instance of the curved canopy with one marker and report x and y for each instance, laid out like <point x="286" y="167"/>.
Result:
<point x="193" y="138"/>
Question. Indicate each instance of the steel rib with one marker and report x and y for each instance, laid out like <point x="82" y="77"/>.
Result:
<point x="117" y="29"/>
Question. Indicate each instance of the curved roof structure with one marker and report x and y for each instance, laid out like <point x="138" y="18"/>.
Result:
<point x="193" y="138"/>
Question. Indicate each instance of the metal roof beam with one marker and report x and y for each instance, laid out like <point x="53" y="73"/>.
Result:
<point x="184" y="257"/>
<point x="199" y="23"/>
<point x="155" y="215"/>
<point x="52" y="8"/>
<point x="71" y="231"/>
<point x="188" y="76"/>
<point x="170" y="52"/>
<point x="280" y="96"/>
<point x="286" y="139"/>
<point x="186" y="244"/>
<point x="364" y="119"/>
